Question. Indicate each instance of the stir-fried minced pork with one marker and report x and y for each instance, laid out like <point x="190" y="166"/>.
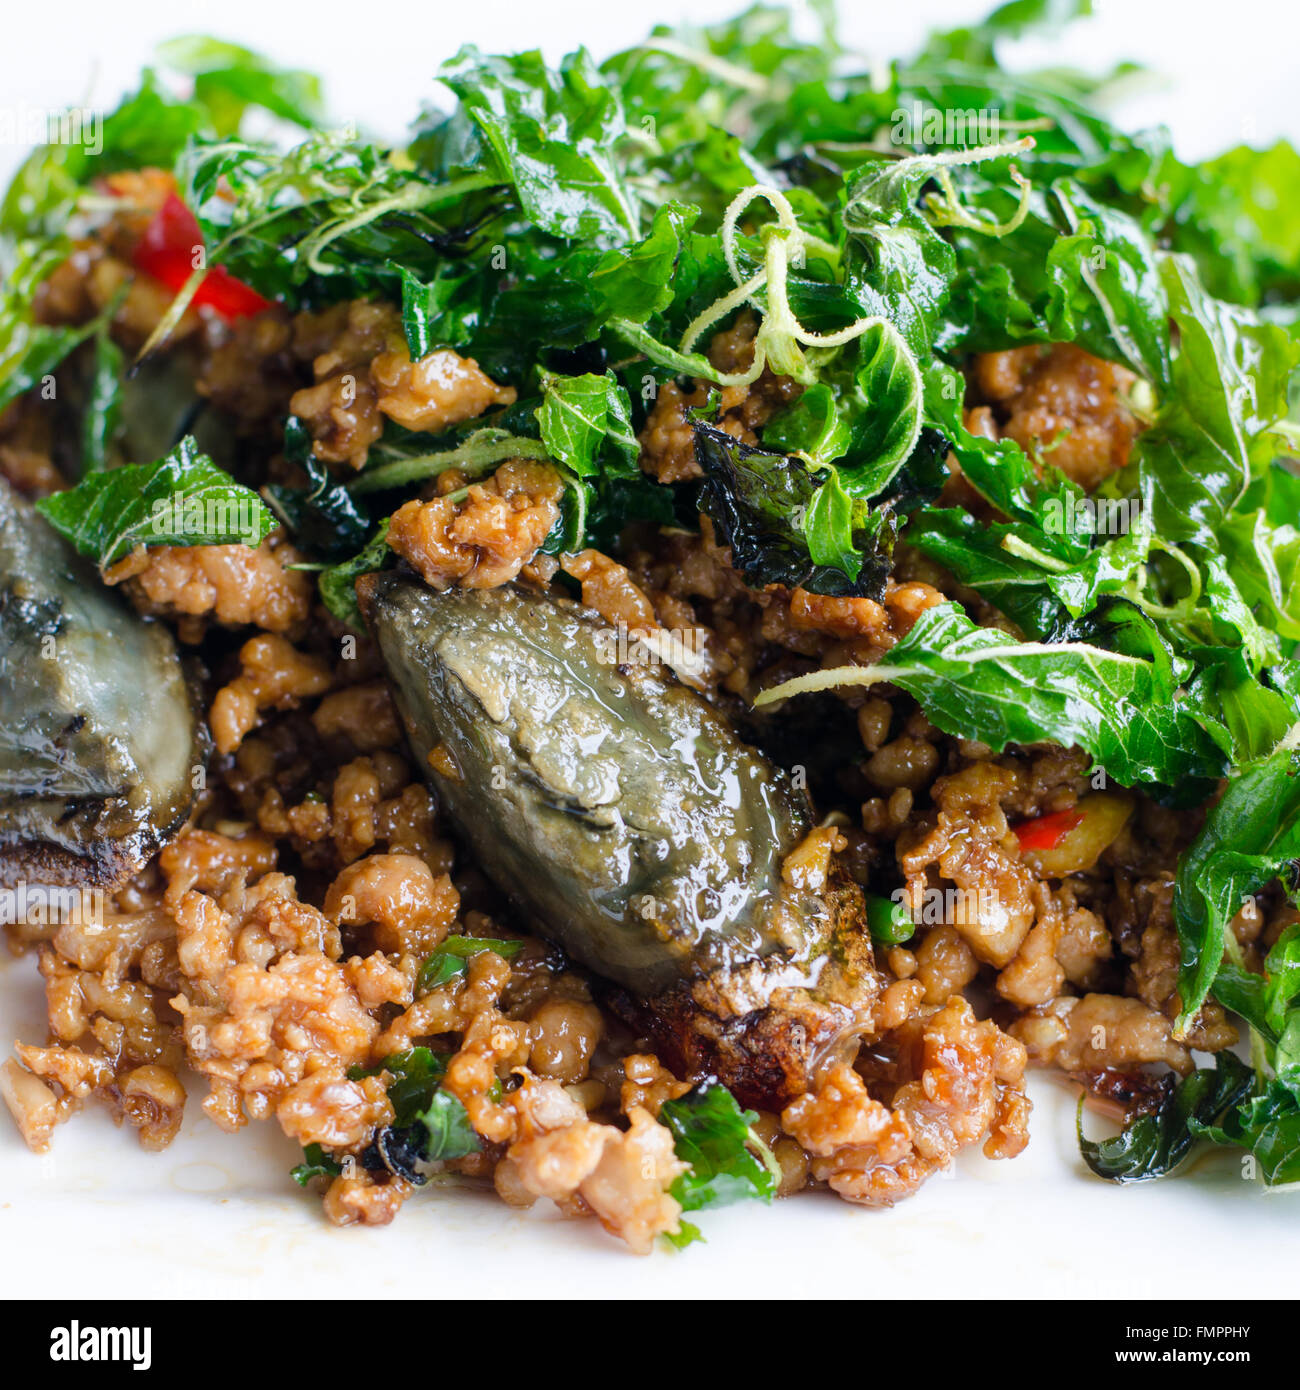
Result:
<point x="275" y="949"/>
<point x="237" y="585"/>
<point x="1060" y="403"/>
<point x="364" y="374"/>
<point x="482" y="535"/>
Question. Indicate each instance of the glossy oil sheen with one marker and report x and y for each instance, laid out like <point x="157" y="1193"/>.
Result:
<point x="614" y="805"/>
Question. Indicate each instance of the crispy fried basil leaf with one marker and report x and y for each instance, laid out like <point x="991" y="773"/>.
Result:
<point x="1268" y="1124"/>
<point x="552" y="134"/>
<point x="316" y="1163"/>
<point x="715" y="1136"/>
<point x="1250" y="837"/>
<point x="338" y="583"/>
<point x="767" y="509"/>
<point x="1122" y="706"/>
<point x="585" y="423"/>
<point x="921" y="479"/>
<point x="183" y="499"/>
<point x="1152" y="1146"/>
<point x="326" y="521"/>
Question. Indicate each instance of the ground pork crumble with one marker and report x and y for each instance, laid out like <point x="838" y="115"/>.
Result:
<point x="481" y="535"/>
<point x="274" y="949"/>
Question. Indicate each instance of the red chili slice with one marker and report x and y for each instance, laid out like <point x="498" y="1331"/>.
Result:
<point x="167" y="252"/>
<point x="1046" y="832"/>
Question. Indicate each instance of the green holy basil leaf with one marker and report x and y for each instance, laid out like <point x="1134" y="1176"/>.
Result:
<point x="326" y="521"/>
<point x="102" y="418"/>
<point x="1037" y="495"/>
<point x="1075" y="270"/>
<point x="551" y="134"/>
<point x="1122" y="706"/>
<point x="1239" y="220"/>
<point x="316" y="1163"/>
<point x="899" y="266"/>
<point x="635" y="282"/>
<point x="452" y="958"/>
<point x="585" y="422"/>
<point x="416" y="1075"/>
<point x="331" y="218"/>
<point x="450" y="1134"/>
<point x="229" y="79"/>
<point x="1249" y="838"/>
<point x="1211" y="437"/>
<point x="1152" y="1146"/>
<point x="1266" y="1001"/>
<point x="886" y="412"/>
<point x="976" y="555"/>
<point x="183" y="499"/>
<point x="715" y="1136"/>
<point x="1268" y="1124"/>
<point x="828" y="527"/>
<point x="1262" y="552"/>
<point x="30" y="352"/>
<point x="1014" y="20"/>
<point x="338" y="583"/>
<point x="439" y="312"/>
<point x="813" y="426"/>
<point x="430" y="1125"/>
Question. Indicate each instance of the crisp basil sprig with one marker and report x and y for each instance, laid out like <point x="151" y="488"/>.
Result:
<point x="1152" y="1146"/>
<point x="183" y="499"/>
<point x="728" y="1163"/>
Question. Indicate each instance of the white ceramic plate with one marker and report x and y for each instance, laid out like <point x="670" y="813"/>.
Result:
<point x="217" y="1214"/>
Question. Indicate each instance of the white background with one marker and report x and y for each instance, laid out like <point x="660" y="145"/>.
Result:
<point x="1235" y="63"/>
<point x="216" y="1215"/>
